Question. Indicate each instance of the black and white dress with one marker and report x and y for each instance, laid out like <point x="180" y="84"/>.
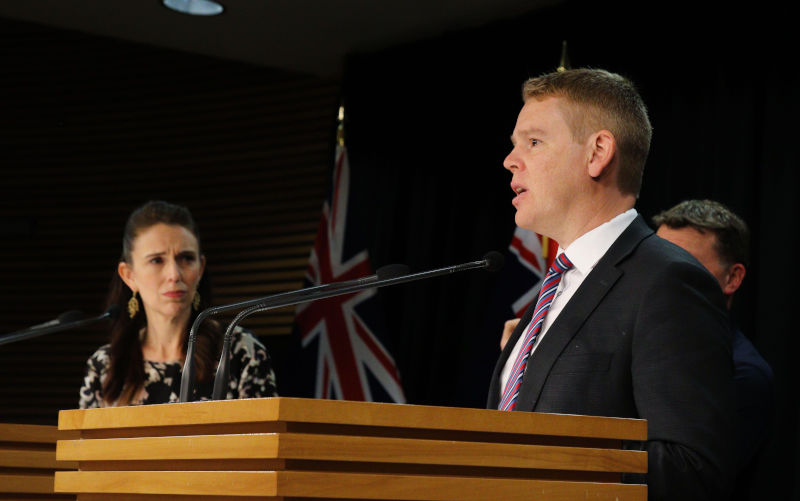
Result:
<point x="250" y="367"/>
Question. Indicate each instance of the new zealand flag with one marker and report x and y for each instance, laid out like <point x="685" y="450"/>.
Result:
<point x="343" y="332"/>
<point x="528" y="258"/>
<point x="535" y="254"/>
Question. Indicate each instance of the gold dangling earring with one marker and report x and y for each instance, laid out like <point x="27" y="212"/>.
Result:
<point x="133" y="305"/>
<point x="196" y="301"/>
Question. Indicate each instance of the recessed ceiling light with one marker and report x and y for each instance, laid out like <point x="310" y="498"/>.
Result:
<point x="195" y="7"/>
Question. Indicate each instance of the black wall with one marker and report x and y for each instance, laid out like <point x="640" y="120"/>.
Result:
<point x="429" y="128"/>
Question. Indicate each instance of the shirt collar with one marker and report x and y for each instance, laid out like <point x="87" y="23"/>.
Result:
<point x="587" y="249"/>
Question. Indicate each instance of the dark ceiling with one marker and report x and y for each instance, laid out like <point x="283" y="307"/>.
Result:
<point x="309" y="36"/>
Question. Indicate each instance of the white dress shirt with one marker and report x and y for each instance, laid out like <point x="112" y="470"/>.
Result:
<point x="584" y="253"/>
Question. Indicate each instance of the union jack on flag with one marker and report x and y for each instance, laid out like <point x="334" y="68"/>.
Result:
<point x="350" y="357"/>
<point x="535" y="253"/>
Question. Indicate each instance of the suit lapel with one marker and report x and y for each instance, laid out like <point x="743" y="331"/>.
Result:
<point x="588" y="296"/>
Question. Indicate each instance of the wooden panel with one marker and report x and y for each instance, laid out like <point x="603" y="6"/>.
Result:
<point x="32" y="433"/>
<point x="32" y="483"/>
<point x="354" y="414"/>
<point x="348" y="450"/>
<point x="191" y="465"/>
<point x="342" y="486"/>
<point x="192" y="483"/>
<point x="354" y="449"/>
<point x="177" y="497"/>
<point x="28" y="460"/>
<point x="19" y="457"/>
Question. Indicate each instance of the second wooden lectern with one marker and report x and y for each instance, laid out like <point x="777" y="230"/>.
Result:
<point x="290" y="448"/>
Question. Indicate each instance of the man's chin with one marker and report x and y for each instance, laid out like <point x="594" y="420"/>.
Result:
<point x="524" y="222"/>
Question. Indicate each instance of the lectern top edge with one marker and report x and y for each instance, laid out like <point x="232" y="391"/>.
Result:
<point x="311" y="411"/>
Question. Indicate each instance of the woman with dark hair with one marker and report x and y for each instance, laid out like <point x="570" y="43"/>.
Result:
<point x="159" y="281"/>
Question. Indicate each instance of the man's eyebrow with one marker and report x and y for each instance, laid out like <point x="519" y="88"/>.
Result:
<point x="532" y="130"/>
<point x="526" y="132"/>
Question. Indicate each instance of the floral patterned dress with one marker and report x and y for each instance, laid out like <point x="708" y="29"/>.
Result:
<point x="251" y="376"/>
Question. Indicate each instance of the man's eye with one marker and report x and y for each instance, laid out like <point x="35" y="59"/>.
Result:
<point x="534" y="142"/>
<point x="156" y="260"/>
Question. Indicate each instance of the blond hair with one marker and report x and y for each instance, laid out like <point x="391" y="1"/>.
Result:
<point x="597" y="100"/>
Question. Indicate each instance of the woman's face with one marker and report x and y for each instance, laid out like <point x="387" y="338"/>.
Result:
<point x="165" y="269"/>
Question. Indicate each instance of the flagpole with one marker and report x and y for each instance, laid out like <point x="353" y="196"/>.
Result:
<point x="563" y="65"/>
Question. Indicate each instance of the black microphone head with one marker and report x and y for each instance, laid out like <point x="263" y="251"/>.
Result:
<point x="112" y="311"/>
<point x="494" y="261"/>
<point x="392" y="271"/>
<point x="71" y="316"/>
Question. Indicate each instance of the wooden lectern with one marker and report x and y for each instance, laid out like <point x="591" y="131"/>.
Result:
<point x="28" y="461"/>
<point x="291" y="448"/>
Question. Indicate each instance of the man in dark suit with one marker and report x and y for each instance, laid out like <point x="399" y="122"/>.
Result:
<point x="635" y="326"/>
<point x="720" y="240"/>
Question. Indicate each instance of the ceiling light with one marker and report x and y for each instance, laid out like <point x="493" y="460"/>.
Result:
<point x="195" y="7"/>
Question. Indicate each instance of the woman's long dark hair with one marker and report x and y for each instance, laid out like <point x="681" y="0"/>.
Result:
<point x="126" y="370"/>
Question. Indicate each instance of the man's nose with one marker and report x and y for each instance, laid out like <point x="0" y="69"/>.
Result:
<point x="511" y="163"/>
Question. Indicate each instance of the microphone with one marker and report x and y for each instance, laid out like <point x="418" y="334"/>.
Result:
<point x="67" y="320"/>
<point x="492" y="261"/>
<point x="67" y="316"/>
<point x="187" y="376"/>
<point x="222" y="378"/>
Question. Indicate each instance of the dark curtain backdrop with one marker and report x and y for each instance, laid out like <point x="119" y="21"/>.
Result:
<point x="92" y="127"/>
<point x="428" y="128"/>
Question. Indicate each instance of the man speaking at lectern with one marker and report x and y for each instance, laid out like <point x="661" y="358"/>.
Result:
<point x="626" y="324"/>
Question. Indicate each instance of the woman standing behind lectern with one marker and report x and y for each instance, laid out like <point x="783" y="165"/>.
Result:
<point x="158" y="284"/>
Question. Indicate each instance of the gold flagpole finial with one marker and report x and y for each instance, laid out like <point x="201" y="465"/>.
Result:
<point x="564" y="64"/>
<point x="340" y="126"/>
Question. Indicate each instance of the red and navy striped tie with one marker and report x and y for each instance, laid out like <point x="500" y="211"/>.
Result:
<point x="546" y="295"/>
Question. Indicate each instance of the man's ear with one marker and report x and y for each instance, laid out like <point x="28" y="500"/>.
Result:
<point x="733" y="278"/>
<point x="126" y="274"/>
<point x="602" y="150"/>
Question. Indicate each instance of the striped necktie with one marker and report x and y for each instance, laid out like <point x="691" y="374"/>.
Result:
<point x="546" y="295"/>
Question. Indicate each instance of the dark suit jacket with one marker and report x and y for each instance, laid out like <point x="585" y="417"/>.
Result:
<point x="755" y="406"/>
<point x="646" y="335"/>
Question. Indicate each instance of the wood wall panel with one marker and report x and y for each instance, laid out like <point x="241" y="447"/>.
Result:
<point x="91" y="128"/>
